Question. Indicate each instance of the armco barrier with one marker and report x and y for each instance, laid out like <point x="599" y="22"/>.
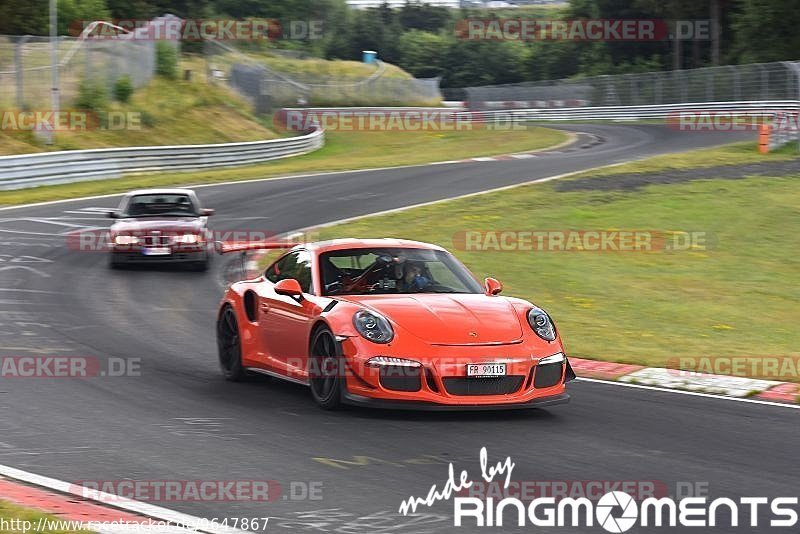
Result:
<point x="30" y="170"/>
<point x="660" y="111"/>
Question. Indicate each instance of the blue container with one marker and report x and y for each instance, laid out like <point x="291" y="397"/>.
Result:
<point x="370" y="56"/>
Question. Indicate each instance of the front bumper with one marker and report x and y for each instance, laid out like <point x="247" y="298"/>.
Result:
<point x="371" y="402"/>
<point x="441" y="381"/>
<point x="129" y="257"/>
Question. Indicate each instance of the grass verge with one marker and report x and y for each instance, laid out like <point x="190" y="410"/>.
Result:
<point x="732" y="154"/>
<point x="342" y="151"/>
<point x="738" y="296"/>
<point x="29" y="519"/>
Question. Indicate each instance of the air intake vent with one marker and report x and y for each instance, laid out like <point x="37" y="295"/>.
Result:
<point x="502" y="385"/>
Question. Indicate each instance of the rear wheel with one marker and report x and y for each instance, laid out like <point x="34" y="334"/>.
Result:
<point x="326" y="370"/>
<point x="229" y="345"/>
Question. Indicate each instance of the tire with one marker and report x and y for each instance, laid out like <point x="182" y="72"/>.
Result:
<point x="229" y="345"/>
<point x="326" y="366"/>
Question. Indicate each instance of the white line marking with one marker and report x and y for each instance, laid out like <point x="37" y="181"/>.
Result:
<point x="690" y="393"/>
<point x="31" y="269"/>
<point x="524" y="156"/>
<point x="22" y="232"/>
<point x="114" y="501"/>
<point x="483" y="159"/>
<point x="54" y="221"/>
<point x="28" y="290"/>
<point x="79" y="218"/>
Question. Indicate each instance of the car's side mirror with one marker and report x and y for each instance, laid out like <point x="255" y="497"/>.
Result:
<point x="207" y="212"/>
<point x="112" y="214"/>
<point x="289" y="287"/>
<point x="493" y="286"/>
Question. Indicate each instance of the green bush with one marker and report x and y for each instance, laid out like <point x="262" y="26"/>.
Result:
<point x="147" y="118"/>
<point x="166" y="60"/>
<point x="91" y="96"/>
<point x="123" y="89"/>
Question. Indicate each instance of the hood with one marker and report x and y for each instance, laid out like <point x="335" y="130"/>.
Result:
<point x="448" y="319"/>
<point x="169" y="225"/>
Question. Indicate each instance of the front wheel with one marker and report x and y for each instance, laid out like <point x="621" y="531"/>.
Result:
<point x="326" y="370"/>
<point x="229" y="345"/>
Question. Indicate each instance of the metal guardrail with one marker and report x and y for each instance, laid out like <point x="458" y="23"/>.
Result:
<point x="30" y="170"/>
<point x="660" y="111"/>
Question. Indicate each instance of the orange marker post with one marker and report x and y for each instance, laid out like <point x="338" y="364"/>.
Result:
<point x="763" y="138"/>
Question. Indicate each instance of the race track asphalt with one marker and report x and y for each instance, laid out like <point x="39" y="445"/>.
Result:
<point x="179" y="420"/>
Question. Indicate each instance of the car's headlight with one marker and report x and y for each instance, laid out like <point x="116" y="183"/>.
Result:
<point x="390" y="361"/>
<point x="373" y="327"/>
<point x="186" y="239"/>
<point x="126" y="240"/>
<point x="541" y="324"/>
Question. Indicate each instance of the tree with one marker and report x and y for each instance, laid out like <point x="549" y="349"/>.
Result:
<point x="766" y="30"/>
<point x="423" y="53"/>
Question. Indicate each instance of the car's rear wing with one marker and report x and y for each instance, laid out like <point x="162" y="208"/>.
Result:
<point x="225" y="247"/>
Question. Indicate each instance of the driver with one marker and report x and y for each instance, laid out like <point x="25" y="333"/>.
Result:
<point x="413" y="279"/>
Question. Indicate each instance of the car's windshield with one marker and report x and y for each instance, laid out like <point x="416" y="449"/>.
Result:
<point x="152" y="205"/>
<point x="366" y="271"/>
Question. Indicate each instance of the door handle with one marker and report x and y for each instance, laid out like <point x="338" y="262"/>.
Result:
<point x="264" y="307"/>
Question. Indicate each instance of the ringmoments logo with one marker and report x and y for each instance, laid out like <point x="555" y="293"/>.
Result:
<point x="615" y="511"/>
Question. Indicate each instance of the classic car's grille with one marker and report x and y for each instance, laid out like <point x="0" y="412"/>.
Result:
<point x="501" y="385"/>
<point x="545" y="376"/>
<point x="400" y="378"/>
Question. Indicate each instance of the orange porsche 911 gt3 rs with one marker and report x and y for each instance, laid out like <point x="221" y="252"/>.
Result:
<point x="389" y="323"/>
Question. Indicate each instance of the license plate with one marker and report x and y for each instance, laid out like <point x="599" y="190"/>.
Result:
<point x="157" y="251"/>
<point x="486" y="369"/>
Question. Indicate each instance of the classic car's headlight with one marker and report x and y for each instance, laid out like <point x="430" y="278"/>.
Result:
<point x="541" y="324"/>
<point x="126" y="240"/>
<point x="187" y="239"/>
<point x="373" y="327"/>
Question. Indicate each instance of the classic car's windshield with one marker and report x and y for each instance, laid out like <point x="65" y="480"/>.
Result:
<point x="365" y="271"/>
<point x="151" y="205"/>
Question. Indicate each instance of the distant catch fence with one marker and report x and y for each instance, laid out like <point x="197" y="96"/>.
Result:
<point x="729" y="83"/>
<point x="268" y="88"/>
<point x="26" y="75"/>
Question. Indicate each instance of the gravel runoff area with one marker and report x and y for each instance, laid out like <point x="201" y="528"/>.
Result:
<point x="636" y="180"/>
